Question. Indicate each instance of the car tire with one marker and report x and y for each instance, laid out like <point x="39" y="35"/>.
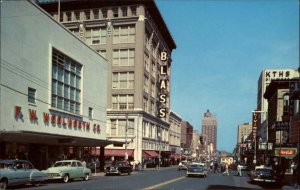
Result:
<point x="3" y="184"/>
<point x="129" y="173"/>
<point x="86" y="177"/>
<point x="66" y="178"/>
<point x="36" y="183"/>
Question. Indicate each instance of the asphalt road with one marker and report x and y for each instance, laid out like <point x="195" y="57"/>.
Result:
<point x="164" y="179"/>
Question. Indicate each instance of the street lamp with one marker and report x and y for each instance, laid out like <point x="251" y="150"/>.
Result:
<point x="159" y="153"/>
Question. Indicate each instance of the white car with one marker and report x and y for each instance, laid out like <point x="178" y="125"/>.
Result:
<point x="18" y="172"/>
<point x="68" y="169"/>
<point x="182" y="165"/>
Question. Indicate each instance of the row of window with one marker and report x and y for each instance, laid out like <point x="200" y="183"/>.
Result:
<point x="119" y="126"/>
<point x="97" y="14"/>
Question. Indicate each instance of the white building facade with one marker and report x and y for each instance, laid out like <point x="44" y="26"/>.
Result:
<point x="53" y="93"/>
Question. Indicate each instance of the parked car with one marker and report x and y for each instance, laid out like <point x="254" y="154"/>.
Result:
<point x="68" y="169"/>
<point x="118" y="168"/>
<point x="18" y="172"/>
<point x="182" y="165"/>
<point x="149" y="163"/>
<point x="263" y="174"/>
<point x="197" y="169"/>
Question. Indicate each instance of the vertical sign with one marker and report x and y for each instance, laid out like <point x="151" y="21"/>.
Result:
<point x="255" y="124"/>
<point x="291" y="103"/>
<point x="163" y="85"/>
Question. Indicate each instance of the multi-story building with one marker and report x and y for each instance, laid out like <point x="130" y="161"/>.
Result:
<point x="195" y="144"/>
<point x="281" y="112"/>
<point x="244" y="129"/>
<point x="175" y="135"/>
<point x="264" y="80"/>
<point x="137" y="44"/>
<point x="53" y="89"/>
<point x="186" y="137"/>
<point x="209" y="128"/>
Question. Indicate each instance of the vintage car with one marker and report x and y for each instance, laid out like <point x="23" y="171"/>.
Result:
<point x="18" y="172"/>
<point x="197" y="169"/>
<point x="182" y="165"/>
<point x="118" y="168"/>
<point x="263" y="174"/>
<point x="68" y="169"/>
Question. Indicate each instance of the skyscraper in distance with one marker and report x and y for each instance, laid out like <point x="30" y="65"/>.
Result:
<point x="209" y="128"/>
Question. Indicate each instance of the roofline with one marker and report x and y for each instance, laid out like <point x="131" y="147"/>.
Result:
<point x="150" y="5"/>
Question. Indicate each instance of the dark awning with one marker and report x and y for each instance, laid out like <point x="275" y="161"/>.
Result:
<point x="149" y="154"/>
<point x="175" y="156"/>
<point x="118" y="152"/>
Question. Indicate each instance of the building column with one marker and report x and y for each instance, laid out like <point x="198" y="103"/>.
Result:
<point x="2" y="150"/>
<point x="139" y="60"/>
<point x="102" y="158"/>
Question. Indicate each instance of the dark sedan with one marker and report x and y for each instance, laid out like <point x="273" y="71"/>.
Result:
<point x="263" y="174"/>
<point x="118" y="168"/>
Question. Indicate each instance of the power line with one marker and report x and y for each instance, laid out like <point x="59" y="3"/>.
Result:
<point x="17" y="71"/>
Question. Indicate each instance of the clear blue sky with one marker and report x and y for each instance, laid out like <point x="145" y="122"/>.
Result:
<point x="222" y="47"/>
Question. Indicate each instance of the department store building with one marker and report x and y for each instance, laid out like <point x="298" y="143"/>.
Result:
<point x="53" y="93"/>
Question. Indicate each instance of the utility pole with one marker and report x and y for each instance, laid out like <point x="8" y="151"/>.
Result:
<point x="58" y="16"/>
<point x="159" y="153"/>
<point x="126" y="127"/>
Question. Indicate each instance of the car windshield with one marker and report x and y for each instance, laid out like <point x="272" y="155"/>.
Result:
<point x="196" y="166"/>
<point x="60" y="164"/>
<point x="263" y="171"/>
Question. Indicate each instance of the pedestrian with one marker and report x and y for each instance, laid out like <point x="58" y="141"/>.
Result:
<point x="216" y="167"/>
<point x="211" y="166"/>
<point x="239" y="170"/>
<point x="83" y="162"/>
<point x="226" y="172"/>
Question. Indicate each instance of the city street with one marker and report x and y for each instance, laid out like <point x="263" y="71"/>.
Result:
<point x="165" y="178"/>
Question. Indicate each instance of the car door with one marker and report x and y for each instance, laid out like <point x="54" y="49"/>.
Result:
<point x="22" y="175"/>
<point x="80" y="169"/>
<point x="74" y="170"/>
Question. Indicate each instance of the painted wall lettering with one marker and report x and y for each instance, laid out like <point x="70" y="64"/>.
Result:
<point x="32" y="115"/>
<point x="18" y="112"/>
<point x="58" y="120"/>
<point x="46" y="117"/>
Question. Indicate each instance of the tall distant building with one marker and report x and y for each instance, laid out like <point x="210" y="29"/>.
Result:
<point x="244" y="130"/>
<point x="209" y="128"/>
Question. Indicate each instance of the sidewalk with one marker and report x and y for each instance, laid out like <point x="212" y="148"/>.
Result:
<point x="287" y="183"/>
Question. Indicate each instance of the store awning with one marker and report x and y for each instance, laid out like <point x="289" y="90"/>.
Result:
<point x="54" y="139"/>
<point x="175" y="156"/>
<point x="118" y="152"/>
<point x="149" y="154"/>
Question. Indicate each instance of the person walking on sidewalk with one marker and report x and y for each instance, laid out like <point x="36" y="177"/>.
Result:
<point x="216" y="167"/>
<point x="239" y="170"/>
<point x="226" y="172"/>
